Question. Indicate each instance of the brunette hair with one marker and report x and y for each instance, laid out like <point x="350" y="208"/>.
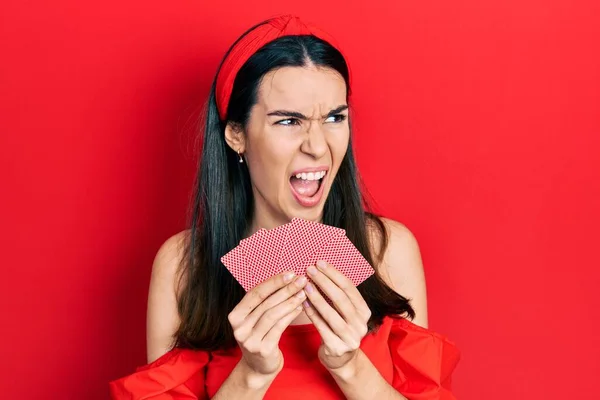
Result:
<point x="222" y="207"/>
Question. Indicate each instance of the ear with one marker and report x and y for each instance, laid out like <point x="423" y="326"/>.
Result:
<point x="235" y="138"/>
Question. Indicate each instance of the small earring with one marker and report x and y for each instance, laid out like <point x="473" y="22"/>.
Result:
<point x="240" y="155"/>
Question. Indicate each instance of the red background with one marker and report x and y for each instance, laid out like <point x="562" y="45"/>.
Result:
<point x="477" y="125"/>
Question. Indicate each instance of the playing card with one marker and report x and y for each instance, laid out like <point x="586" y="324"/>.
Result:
<point x="341" y="253"/>
<point x="251" y="249"/>
<point x="303" y="241"/>
<point x="294" y="246"/>
<point x="235" y="262"/>
<point x="246" y="242"/>
<point x="264" y="261"/>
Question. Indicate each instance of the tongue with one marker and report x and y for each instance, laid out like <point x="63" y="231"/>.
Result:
<point x="305" y="187"/>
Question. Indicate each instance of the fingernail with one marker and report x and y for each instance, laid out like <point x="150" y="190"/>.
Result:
<point x="288" y="277"/>
<point x="301" y="294"/>
<point x="301" y="281"/>
<point x="321" y="264"/>
<point x="309" y="288"/>
<point x="311" y="270"/>
<point x="306" y="304"/>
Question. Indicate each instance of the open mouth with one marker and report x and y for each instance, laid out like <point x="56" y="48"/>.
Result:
<point x="307" y="184"/>
<point x="307" y="187"/>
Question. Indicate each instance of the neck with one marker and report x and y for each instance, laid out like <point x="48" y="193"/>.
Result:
<point x="265" y="217"/>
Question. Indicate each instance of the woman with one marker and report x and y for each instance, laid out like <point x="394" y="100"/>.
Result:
<point x="277" y="145"/>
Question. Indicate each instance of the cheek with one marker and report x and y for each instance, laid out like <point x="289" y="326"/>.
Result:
<point x="270" y="163"/>
<point x="339" y="145"/>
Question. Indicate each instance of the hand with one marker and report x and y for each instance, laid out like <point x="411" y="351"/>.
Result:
<point x="342" y="328"/>
<point x="260" y="318"/>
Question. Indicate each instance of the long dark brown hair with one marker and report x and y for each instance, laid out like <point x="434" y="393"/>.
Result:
<point x="222" y="207"/>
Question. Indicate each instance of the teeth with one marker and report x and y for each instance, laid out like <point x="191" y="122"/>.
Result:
<point x="311" y="176"/>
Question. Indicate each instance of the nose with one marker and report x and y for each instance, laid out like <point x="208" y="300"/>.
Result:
<point x="315" y="143"/>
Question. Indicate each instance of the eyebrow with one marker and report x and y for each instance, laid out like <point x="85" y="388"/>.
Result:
<point x="295" y="114"/>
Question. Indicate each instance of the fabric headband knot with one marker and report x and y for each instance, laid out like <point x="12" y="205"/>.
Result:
<point x="286" y="25"/>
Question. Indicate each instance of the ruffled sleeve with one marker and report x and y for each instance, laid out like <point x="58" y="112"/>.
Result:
<point x="423" y="361"/>
<point x="177" y="375"/>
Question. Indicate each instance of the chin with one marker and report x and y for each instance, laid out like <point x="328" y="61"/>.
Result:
<point x="310" y="214"/>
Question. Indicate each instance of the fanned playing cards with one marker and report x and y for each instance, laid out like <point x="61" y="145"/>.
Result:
<point x="293" y="247"/>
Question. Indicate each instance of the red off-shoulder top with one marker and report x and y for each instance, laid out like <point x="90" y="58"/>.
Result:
<point x="417" y="362"/>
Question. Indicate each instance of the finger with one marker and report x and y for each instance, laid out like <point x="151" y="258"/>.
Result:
<point x="339" y="298"/>
<point x="331" y="340"/>
<point x="256" y="296"/>
<point x="329" y="314"/>
<point x="271" y="339"/>
<point x="347" y="286"/>
<point x="275" y="299"/>
<point x="270" y="317"/>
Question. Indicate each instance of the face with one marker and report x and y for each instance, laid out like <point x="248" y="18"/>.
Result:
<point x="295" y="141"/>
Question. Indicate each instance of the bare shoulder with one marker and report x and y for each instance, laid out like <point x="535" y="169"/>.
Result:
<point x="170" y="254"/>
<point x="162" y="319"/>
<point x="401" y="266"/>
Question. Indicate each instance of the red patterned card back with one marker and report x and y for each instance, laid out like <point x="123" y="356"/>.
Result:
<point x="267" y="251"/>
<point x="305" y="238"/>
<point x="235" y="262"/>
<point x="345" y="257"/>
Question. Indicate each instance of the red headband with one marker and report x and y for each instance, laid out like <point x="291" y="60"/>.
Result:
<point x="286" y="25"/>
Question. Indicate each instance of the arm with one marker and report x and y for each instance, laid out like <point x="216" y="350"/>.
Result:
<point x="258" y="322"/>
<point x="342" y="333"/>
<point x="402" y="270"/>
<point x="244" y="383"/>
<point x="360" y="380"/>
<point x="162" y="318"/>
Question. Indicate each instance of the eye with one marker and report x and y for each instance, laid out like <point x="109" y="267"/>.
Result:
<point x="288" y="122"/>
<point x="336" y="118"/>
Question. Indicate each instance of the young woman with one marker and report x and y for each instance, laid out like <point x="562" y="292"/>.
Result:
<point x="277" y="145"/>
